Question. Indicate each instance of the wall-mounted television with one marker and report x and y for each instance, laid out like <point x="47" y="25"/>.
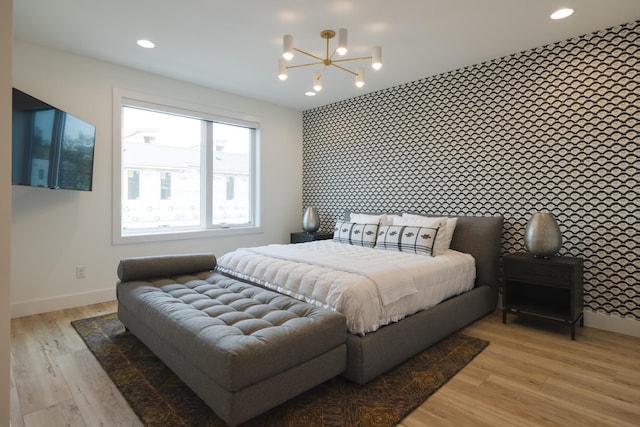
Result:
<point x="50" y="148"/>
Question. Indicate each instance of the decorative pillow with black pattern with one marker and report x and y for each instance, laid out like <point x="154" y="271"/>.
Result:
<point x="406" y="238"/>
<point x="355" y="234"/>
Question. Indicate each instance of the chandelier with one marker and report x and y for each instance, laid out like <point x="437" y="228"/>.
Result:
<point x="329" y="59"/>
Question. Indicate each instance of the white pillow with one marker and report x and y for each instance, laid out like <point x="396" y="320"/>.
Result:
<point x="406" y="238"/>
<point x="451" y="227"/>
<point x="394" y="220"/>
<point x="362" y="218"/>
<point x="441" y="245"/>
<point x="355" y="234"/>
<point x="402" y="220"/>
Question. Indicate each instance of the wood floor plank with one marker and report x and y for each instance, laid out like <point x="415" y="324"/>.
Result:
<point x="98" y="399"/>
<point x="474" y="374"/>
<point x="497" y="361"/>
<point x="622" y="345"/>
<point x="535" y="369"/>
<point x="593" y="401"/>
<point x="38" y="380"/>
<point x="466" y="413"/>
<point x="482" y="402"/>
<point x="553" y="410"/>
<point x="63" y="414"/>
<point x="16" y="411"/>
<point x="555" y="350"/>
<point x="630" y="377"/>
<point x="444" y="413"/>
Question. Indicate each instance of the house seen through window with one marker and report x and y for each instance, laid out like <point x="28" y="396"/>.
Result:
<point x="183" y="172"/>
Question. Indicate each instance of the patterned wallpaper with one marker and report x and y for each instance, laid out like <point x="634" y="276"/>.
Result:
<point x="551" y="129"/>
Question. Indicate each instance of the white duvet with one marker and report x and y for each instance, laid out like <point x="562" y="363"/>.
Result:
<point x="371" y="287"/>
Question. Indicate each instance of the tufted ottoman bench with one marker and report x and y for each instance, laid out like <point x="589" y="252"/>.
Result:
<point x="241" y="348"/>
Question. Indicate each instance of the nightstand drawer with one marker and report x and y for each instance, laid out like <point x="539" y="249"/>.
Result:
<point x="302" y="237"/>
<point x="539" y="272"/>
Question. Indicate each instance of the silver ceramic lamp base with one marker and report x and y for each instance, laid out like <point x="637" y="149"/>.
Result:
<point x="542" y="236"/>
<point x="310" y="220"/>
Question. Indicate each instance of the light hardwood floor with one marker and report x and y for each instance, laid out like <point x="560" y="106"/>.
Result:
<point x="531" y="374"/>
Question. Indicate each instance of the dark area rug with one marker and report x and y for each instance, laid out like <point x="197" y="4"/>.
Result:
<point x="160" y="398"/>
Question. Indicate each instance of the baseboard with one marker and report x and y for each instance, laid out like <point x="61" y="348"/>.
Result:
<point x="612" y="323"/>
<point x="46" y="305"/>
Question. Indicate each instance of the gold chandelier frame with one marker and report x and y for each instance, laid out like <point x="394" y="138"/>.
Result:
<point x="329" y="59"/>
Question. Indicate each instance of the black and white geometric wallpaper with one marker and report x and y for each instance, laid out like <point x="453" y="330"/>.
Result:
<point x="551" y="129"/>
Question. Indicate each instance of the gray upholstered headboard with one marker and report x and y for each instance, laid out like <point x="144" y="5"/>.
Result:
<point x="479" y="236"/>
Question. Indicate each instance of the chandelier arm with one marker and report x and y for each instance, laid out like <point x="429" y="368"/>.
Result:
<point x="304" y="65"/>
<point x="308" y="54"/>
<point x="360" y="58"/>
<point x="343" y="68"/>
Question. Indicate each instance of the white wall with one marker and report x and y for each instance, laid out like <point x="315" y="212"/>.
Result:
<point x="55" y="231"/>
<point x="5" y="206"/>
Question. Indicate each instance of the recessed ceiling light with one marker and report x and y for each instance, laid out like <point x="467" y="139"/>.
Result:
<point x="146" y="44"/>
<point x="561" y="13"/>
<point x="310" y="93"/>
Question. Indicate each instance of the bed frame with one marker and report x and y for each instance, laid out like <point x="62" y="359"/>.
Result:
<point x="186" y="335"/>
<point x="373" y="354"/>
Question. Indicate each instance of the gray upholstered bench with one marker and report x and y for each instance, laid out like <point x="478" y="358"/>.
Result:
<point x="241" y="348"/>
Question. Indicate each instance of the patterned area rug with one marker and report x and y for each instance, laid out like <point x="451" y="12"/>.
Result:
<point x="160" y="398"/>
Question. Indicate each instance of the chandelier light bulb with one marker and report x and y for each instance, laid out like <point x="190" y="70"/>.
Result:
<point x="376" y="58"/>
<point x="342" y="42"/>
<point x="317" y="82"/>
<point x="287" y="47"/>
<point x="360" y="77"/>
<point x="282" y="75"/>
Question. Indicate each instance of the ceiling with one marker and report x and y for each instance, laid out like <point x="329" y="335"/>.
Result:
<point x="234" y="45"/>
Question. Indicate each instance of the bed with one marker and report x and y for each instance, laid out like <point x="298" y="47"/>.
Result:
<point x="377" y="342"/>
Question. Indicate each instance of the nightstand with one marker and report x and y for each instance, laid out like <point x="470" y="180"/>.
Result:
<point x="303" y="236"/>
<point x="549" y="288"/>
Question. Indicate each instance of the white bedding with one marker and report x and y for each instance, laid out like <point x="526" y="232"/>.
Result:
<point x="371" y="287"/>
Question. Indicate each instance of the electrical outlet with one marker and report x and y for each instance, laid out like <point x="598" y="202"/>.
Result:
<point x="81" y="272"/>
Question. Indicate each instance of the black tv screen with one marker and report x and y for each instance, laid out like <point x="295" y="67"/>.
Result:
<point x="50" y="148"/>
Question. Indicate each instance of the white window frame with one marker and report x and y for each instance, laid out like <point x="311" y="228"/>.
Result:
<point x="125" y="97"/>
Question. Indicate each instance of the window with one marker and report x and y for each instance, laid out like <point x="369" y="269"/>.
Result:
<point x="182" y="172"/>
<point x="165" y="185"/>
<point x="230" y="187"/>
<point x="133" y="184"/>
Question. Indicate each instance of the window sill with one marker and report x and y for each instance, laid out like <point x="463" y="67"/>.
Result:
<point x="185" y="235"/>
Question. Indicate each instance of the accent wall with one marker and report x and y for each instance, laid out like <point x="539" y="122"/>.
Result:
<point x="550" y="129"/>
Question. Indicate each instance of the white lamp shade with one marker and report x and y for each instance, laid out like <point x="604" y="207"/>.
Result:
<point x="342" y="41"/>
<point x="282" y="74"/>
<point x="376" y="58"/>
<point x="287" y="47"/>
<point x="360" y="77"/>
<point x="317" y="82"/>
